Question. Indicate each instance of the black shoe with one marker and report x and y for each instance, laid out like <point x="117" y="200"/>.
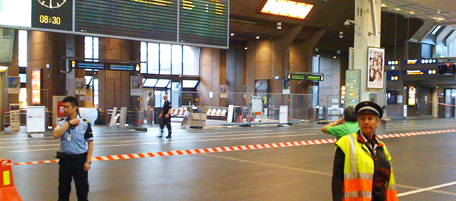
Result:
<point x="160" y="136"/>
<point x="169" y="136"/>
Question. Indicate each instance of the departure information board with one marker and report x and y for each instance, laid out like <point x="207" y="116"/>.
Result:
<point x="150" y="19"/>
<point x="187" y="22"/>
<point x="204" y="22"/>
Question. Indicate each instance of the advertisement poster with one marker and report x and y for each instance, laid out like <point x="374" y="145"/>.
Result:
<point x="80" y="86"/>
<point x="223" y="91"/>
<point x="148" y="98"/>
<point x="14" y="85"/>
<point x="352" y="88"/>
<point x="286" y="86"/>
<point x="375" y="68"/>
<point x="36" y="86"/>
<point x="411" y="96"/>
<point x="35" y="119"/>
<point x="136" y="85"/>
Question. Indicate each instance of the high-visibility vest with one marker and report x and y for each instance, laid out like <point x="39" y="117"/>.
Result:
<point x="359" y="171"/>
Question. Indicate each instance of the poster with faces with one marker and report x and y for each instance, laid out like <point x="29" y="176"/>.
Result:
<point x="375" y="67"/>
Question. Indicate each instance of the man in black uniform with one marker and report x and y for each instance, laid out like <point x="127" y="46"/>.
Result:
<point x="76" y="148"/>
<point x="165" y="117"/>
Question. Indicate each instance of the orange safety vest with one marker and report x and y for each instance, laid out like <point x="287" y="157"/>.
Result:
<point x="359" y="171"/>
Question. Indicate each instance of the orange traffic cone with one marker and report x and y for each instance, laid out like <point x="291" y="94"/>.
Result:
<point x="7" y="190"/>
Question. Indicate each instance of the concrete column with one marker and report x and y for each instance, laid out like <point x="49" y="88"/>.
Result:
<point x="366" y="35"/>
<point x="435" y="105"/>
<point x="210" y="76"/>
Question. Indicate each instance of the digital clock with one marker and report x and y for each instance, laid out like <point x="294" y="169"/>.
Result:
<point x="52" y="14"/>
<point x="52" y="4"/>
<point x="55" y="20"/>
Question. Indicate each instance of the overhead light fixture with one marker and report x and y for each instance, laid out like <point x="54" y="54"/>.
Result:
<point x="258" y="37"/>
<point x="232" y="34"/>
<point x="411" y="12"/>
<point x="3" y="69"/>
<point x="398" y="9"/>
<point x="383" y="5"/>
<point x="286" y="8"/>
<point x="245" y="48"/>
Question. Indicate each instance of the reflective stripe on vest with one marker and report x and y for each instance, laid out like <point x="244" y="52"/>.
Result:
<point x="359" y="175"/>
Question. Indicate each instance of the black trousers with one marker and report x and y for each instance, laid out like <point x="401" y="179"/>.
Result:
<point x="166" y="121"/>
<point x="73" y="167"/>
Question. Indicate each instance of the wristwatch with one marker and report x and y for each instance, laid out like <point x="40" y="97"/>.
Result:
<point x="90" y="162"/>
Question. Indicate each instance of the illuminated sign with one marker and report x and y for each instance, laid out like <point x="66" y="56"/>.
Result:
<point x="36" y="86"/>
<point x="412" y="61"/>
<point x="421" y="61"/>
<point x="432" y="72"/>
<point x="286" y="8"/>
<point x="411" y="95"/>
<point x="305" y="76"/>
<point x="414" y="72"/>
<point x="127" y="67"/>
<point x="296" y="77"/>
<point x="90" y="65"/>
<point x="392" y="63"/>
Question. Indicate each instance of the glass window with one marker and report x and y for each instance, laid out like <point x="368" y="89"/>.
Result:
<point x="191" y="60"/>
<point x="189" y="83"/>
<point x="153" y="58"/>
<point x="177" y="59"/>
<point x="23" y="77"/>
<point x="143" y="57"/>
<point x="88" y="50"/>
<point x="165" y="59"/>
<point x="150" y="82"/>
<point x="22" y="48"/>
<point x="91" y="48"/>
<point x="95" y="92"/>
<point x="162" y="83"/>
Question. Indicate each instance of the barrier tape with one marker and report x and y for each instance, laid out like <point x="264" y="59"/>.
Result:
<point x="444" y="104"/>
<point x="234" y="148"/>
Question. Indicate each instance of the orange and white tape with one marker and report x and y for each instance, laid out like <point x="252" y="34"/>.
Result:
<point x="234" y="148"/>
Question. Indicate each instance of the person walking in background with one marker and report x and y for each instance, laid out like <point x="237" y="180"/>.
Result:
<point x="362" y="165"/>
<point x="347" y="125"/>
<point x="165" y="117"/>
<point x="76" y="148"/>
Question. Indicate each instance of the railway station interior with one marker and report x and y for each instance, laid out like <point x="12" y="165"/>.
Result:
<point x="251" y="84"/>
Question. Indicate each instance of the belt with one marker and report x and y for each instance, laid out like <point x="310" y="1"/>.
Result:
<point x="72" y="156"/>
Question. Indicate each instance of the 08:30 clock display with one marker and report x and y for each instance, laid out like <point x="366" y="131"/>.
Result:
<point x="55" y="20"/>
<point x="52" y="14"/>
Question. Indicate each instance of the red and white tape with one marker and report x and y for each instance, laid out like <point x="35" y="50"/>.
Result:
<point x="234" y="148"/>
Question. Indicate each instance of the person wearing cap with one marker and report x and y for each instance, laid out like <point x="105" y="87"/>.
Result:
<point x="342" y="127"/>
<point x="76" y="148"/>
<point x="362" y="165"/>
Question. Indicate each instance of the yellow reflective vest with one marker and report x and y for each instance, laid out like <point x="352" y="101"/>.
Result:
<point x="359" y="170"/>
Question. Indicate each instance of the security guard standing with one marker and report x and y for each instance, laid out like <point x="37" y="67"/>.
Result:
<point x="362" y="164"/>
<point x="76" y="148"/>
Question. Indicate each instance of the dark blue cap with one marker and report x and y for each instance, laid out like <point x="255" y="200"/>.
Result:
<point x="368" y="107"/>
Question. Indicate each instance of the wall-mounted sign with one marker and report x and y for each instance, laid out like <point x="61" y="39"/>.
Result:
<point x="414" y="72"/>
<point x="392" y="63"/>
<point x="421" y="61"/>
<point x="352" y="88"/>
<point x="14" y="85"/>
<point x="393" y="75"/>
